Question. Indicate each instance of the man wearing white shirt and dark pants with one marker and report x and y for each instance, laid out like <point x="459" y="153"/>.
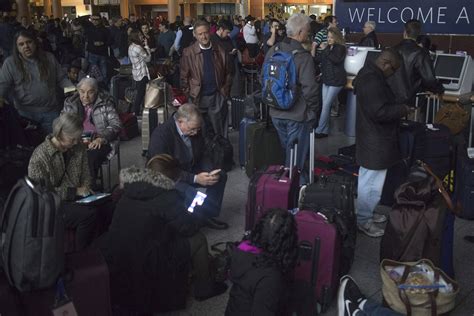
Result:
<point x="250" y="36"/>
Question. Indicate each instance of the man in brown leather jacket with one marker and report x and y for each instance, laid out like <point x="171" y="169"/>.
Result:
<point x="206" y="78"/>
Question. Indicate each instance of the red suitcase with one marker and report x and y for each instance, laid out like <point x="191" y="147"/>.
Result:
<point x="89" y="289"/>
<point x="276" y="187"/>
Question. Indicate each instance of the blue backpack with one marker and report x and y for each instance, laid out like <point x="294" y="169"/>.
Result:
<point x="279" y="80"/>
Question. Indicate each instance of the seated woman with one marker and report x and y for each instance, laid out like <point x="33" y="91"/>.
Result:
<point x="152" y="240"/>
<point x="60" y="162"/>
<point x="259" y="266"/>
<point x="99" y="118"/>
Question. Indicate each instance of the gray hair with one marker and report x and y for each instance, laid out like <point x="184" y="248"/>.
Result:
<point x="371" y="24"/>
<point x="188" y="112"/>
<point x="296" y="23"/>
<point x="67" y="124"/>
<point x="88" y="81"/>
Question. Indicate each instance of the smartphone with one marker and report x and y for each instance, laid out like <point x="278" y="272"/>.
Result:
<point x="93" y="198"/>
<point x="214" y="172"/>
<point x="198" y="200"/>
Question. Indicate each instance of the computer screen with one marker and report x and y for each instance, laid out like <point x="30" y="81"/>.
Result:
<point x="449" y="66"/>
<point x="371" y="56"/>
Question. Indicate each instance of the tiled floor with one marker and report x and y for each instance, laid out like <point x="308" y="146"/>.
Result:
<point x="365" y="269"/>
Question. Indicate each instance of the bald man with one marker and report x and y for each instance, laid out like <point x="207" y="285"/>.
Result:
<point x="377" y="122"/>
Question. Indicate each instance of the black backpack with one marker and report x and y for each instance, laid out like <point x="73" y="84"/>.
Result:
<point x="32" y="228"/>
<point x="220" y="152"/>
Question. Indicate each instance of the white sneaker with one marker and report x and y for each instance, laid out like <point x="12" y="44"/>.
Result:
<point x="370" y="229"/>
<point x="379" y="218"/>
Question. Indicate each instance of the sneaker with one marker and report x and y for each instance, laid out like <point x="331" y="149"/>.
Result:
<point x="379" y="218"/>
<point x="370" y="229"/>
<point x="349" y="297"/>
<point x="334" y="113"/>
<point x="321" y="135"/>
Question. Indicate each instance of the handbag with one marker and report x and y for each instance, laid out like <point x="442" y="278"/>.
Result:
<point x="155" y="95"/>
<point x="220" y="261"/>
<point x="453" y="116"/>
<point x="413" y="298"/>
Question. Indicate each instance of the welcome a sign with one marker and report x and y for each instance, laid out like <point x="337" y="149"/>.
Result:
<point x="437" y="16"/>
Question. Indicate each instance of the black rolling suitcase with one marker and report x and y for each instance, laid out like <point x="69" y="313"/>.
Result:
<point x="118" y="84"/>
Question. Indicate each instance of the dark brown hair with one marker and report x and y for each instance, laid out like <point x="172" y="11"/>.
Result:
<point x="166" y="165"/>
<point x="39" y="55"/>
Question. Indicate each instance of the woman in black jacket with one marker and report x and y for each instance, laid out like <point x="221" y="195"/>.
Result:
<point x="333" y="76"/>
<point x="260" y="265"/>
<point x="151" y="242"/>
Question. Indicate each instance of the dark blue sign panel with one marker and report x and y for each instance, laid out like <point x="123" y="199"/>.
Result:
<point x="437" y="16"/>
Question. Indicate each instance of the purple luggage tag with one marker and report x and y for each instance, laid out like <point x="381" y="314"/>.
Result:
<point x="63" y="306"/>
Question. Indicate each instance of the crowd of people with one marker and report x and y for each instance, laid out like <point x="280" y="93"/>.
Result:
<point x="153" y="241"/>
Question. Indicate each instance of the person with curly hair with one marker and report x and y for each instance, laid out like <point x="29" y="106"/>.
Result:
<point x="261" y="264"/>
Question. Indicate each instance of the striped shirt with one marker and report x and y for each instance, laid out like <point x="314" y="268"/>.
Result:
<point x="321" y="36"/>
<point x="139" y="57"/>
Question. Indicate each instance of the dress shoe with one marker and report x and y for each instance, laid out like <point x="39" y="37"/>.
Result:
<point x="215" y="224"/>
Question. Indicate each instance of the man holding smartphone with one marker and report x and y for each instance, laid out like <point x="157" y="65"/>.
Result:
<point x="180" y="137"/>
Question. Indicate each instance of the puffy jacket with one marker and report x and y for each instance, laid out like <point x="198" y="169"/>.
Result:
<point x="104" y="116"/>
<point x="332" y="65"/>
<point x="377" y="120"/>
<point x="416" y="75"/>
<point x="192" y="71"/>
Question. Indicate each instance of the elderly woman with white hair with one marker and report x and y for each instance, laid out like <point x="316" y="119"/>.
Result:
<point x="100" y="120"/>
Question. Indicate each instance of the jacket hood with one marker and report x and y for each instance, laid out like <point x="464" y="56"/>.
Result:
<point x="133" y="175"/>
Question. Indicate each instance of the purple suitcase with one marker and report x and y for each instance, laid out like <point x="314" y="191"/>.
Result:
<point x="317" y="270"/>
<point x="276" y="187"/>
<point x="320" y="246"/>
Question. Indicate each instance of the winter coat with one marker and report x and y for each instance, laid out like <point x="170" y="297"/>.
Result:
<point x="146" y="246"/>
<point x="63" y="176"/>
<point x="377" y="120"/>
<point x="416" y="73"/>
<point x="306" y="106"/>
<point x="165" y="139"/>
<point x="370" y="40"/>
<point x="332" y="65"/>
<point x="104" y="116"/>
<point x="192" y="72"/>
<point x="255" y="291"/>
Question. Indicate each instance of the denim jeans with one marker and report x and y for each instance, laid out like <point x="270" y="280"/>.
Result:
<point x="100" y="61"/>
<point x="373" y="309"/>
<point x="329" y="93"/>
<point x="369" y="191"/>
<point x="213" y="202"/>
<point x="45" y="119"/>
<point x="288" y="132"/>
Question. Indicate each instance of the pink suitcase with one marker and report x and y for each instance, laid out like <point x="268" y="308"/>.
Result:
<point x="317" y="271"/>
<point x="276" y="187"/>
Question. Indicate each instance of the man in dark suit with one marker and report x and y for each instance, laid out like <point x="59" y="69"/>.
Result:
<point x="180" y="137"/>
